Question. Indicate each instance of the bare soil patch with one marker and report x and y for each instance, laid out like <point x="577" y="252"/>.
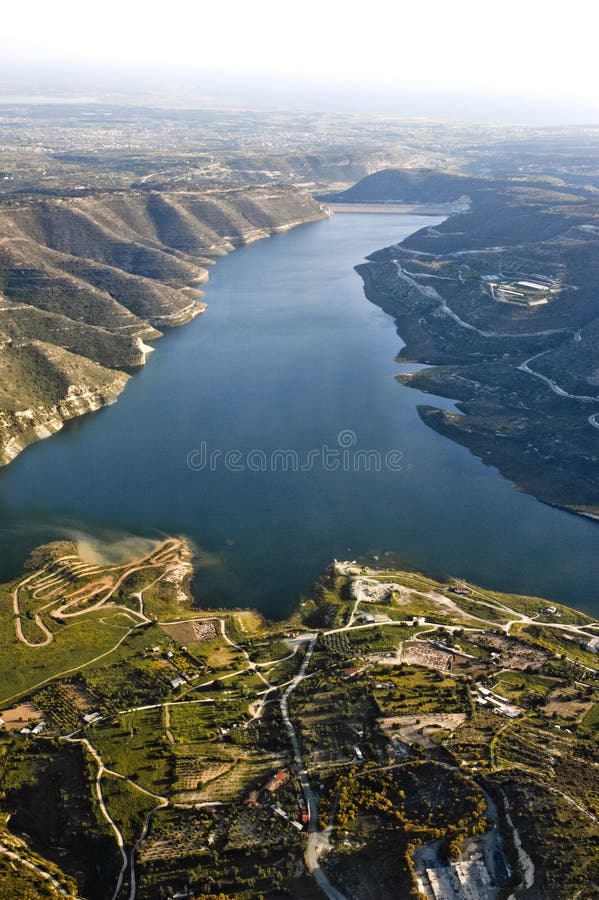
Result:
<point x="566" y="702"/>
<point x="21" y="716"/>
<point x="418" y="729"/>
<point x="196" y="632"/>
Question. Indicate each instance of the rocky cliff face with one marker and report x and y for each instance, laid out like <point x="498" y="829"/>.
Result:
<point x="42" y="386"/>
<point x="86" y="281"/>
<point x="23" y="427"/>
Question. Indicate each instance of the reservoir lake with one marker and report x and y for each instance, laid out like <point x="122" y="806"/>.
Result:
<point x="245" y="433"/>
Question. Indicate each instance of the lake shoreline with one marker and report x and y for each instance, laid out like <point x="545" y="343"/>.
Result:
<point x="288" y="357"/>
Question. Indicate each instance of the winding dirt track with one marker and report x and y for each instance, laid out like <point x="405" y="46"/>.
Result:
<point x="104" y="588"/>
<point x="48" y="879"/>
<point x="162" y="802"/>
<point x="167" y="554"/>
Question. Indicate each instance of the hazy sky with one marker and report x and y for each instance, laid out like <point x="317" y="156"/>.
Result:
<point x="507" y="47"/>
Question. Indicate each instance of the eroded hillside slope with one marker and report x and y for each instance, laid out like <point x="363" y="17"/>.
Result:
<point x="85" y="281"/>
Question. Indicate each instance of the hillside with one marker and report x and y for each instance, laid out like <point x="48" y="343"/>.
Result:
<point x="407" y="186"/>
<point x="86" y="281"/>
<point x="502" y="299"/>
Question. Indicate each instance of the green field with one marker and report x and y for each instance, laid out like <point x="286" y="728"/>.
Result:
<point x="407" y="690"/>
<point x="99" y="634"/>
<point x="136" y="746"/>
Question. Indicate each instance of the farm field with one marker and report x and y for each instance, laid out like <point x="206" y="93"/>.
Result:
<point x="219" y="750"/>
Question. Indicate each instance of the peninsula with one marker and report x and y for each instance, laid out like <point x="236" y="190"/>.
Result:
<point x="395" y="732"/>
<point x="500" y="299"/>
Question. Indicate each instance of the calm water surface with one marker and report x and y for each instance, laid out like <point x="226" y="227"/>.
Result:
<point x="288" y="355"/>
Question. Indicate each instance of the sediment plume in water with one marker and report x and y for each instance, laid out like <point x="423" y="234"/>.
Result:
<point x="112" y="548"/>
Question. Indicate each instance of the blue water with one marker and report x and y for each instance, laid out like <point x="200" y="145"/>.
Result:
<point x="288" y="355"/>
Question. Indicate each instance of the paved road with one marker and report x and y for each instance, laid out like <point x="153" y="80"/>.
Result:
<point x="432" y="294"/>
<point x="132" y="874"/>
<point x="525" y="367"/>
<point x="318" y="842"/>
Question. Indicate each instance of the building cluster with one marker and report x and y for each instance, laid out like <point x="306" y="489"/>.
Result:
<point x="37" y="729"/>
<point x="265" y="795"/>
<point x="525" y="292"/>
<point x="486" y="697"/>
